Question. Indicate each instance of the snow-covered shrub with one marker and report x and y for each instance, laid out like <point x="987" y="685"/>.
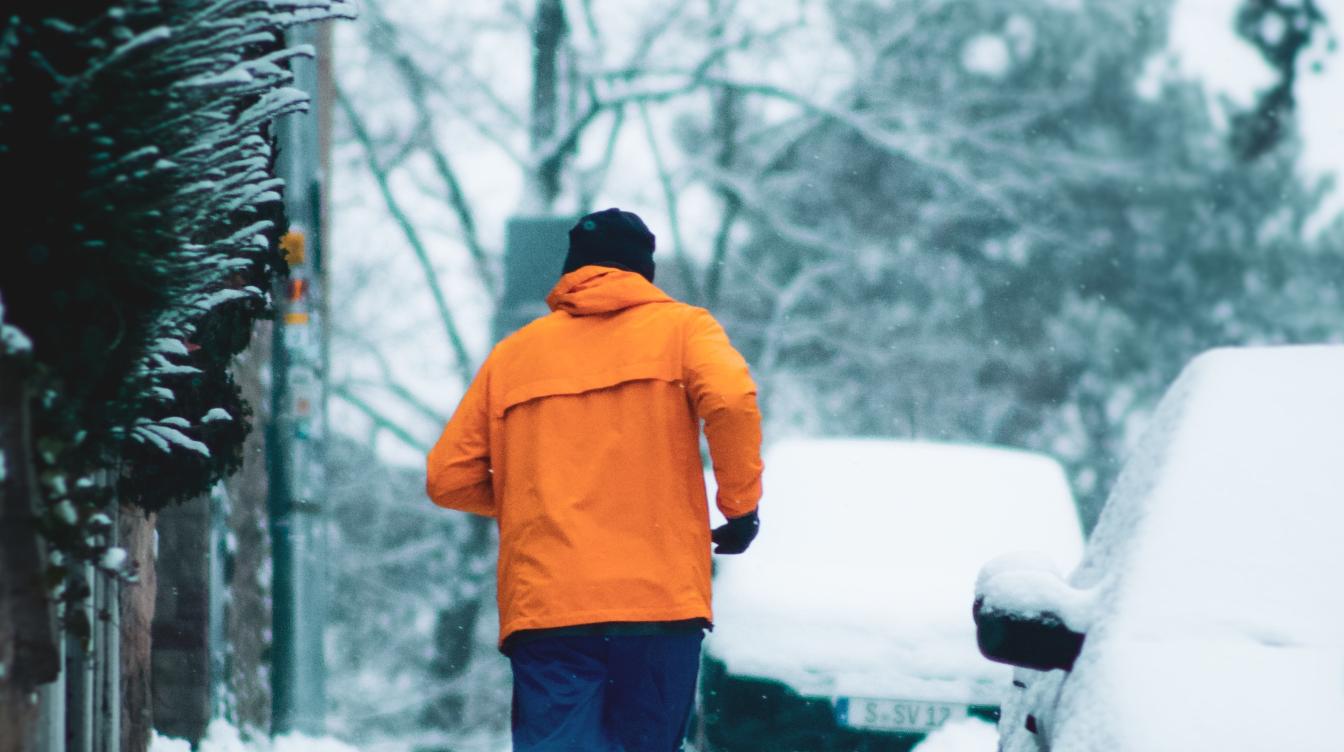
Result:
<point x="140" y="217"/>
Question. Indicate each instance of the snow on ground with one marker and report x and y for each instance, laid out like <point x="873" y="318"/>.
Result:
<point x="223" y="737"/>
<point x="862" y="579"/>
<point x="970" y="735"/>
<point x="1220" y="620"/>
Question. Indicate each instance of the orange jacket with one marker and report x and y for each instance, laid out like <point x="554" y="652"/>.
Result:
<point x="580" y="435"/>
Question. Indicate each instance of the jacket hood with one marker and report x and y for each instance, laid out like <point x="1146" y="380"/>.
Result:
<point x="592" y="290"/>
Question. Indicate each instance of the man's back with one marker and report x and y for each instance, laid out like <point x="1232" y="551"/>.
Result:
<point x="591" y="419"/>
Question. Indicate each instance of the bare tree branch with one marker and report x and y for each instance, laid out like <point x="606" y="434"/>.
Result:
<point x="466" y="368"/>
<point x="404" y="395"/>
<point x="654" y="31"/>
<point x="638" y="67"/>
<point x="414" y="79"/>
<point x="803" y="283"/>
<point x="892" y="38"/>
<point x="673" y="216"/>
<point x="591" y="179"/>
<point x="718" y="259"/>
<point x="466" y="218"/>
<point x="548" y="153"/>
<point x="403" y="152"/>
<point x="782" y="226"/>
<point x="725" y="121"/>
<point x="389" y="382"/>
<point x="389" y="40"/>
<point x="922" y="148"/>
<point x="379" y="419"/>
<point x="590" y="19"/>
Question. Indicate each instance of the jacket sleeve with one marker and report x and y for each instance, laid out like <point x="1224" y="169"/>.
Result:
<point x="458" y="474"/>
<point x="724" y="397"/>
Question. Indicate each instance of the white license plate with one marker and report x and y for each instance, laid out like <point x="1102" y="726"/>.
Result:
<point x="896" y="715"/>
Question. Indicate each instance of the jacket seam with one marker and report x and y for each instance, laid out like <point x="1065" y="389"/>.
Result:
<point x="649" y="370"/>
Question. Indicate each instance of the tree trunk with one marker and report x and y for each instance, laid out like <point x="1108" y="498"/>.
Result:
<point x="727" y="120"/>
<point x="548" y="35"/>
<point x="136" y="534"/>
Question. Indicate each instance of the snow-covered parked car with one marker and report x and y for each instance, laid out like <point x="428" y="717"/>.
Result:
<point x="1208" y="611"/>
<point x="845" y="626"/>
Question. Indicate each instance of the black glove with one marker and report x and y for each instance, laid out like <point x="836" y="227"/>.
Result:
<point x="738" y="533"/>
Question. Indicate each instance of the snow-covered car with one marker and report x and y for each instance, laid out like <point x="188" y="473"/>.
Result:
<point x="1208" y="612"/>
<point x="845" y="626"/>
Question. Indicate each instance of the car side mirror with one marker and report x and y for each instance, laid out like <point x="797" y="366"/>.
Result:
<point x="1036" y="641"/>
<point x="1026" y="615"/>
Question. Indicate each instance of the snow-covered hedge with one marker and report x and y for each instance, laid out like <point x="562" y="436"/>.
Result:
<point x="140" y="225"/>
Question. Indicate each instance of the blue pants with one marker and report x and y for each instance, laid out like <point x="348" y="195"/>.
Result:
<point x="604" y="693"/>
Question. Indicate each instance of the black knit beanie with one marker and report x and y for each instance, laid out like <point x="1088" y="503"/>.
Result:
<point x="611" y="238"/>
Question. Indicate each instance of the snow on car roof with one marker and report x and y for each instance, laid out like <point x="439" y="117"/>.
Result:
<point x="862" y="578"/>
<point x="1216" y="567"/>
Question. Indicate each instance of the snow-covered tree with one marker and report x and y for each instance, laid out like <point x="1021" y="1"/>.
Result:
<point x="1282" y="31"/>
<point x="1032" y="254"/>
<point x="141" y="218"/>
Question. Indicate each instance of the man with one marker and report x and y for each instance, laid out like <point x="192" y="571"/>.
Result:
<point x="580" y="436"/>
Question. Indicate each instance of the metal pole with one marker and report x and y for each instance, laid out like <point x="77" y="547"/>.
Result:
<point x="108" y="734"/>
<point x="296" y="439"/>
<point x="282" y="559"/>
<point x="52" y="698"/>
<point x="80" y="680"/>
<point x="216" y="633"/>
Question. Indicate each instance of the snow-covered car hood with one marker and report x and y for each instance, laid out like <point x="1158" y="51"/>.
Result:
<point x="862" y="579"/>
<point x="821" y="658"/>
